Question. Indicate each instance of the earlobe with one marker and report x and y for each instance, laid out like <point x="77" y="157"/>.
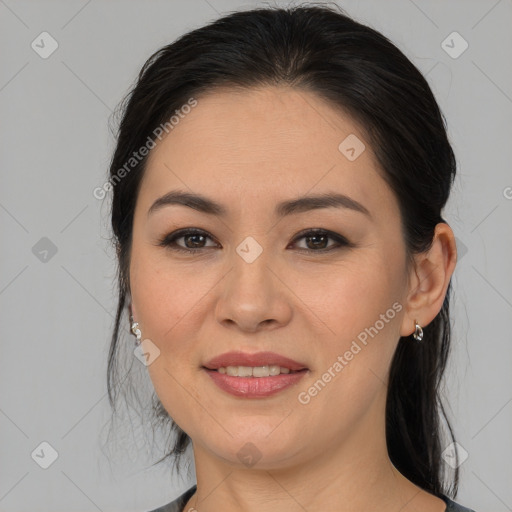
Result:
<point x="430" y="279"/>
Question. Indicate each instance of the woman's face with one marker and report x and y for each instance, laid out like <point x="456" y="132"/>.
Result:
<point x="252" y="285"/>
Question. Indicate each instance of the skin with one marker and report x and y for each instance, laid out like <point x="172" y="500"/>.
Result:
<point x="250" y="150"/>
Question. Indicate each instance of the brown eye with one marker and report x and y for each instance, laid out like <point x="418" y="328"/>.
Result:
<point x="317" y="240"/>
<point x="194" y="240"/>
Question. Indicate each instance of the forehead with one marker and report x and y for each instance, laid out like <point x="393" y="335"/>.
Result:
<point x="272" y="124"/>
<point x="267" y="142"/>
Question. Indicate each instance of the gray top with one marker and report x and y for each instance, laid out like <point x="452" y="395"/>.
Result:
<point x="180" y="502"/>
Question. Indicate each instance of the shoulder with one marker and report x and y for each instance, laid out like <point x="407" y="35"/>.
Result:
<point x="178" y="504"/>
<point x="451" y="506"/>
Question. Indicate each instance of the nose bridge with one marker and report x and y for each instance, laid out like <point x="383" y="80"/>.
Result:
<point x="252" y="295"/>
<point x="251" y="277"/>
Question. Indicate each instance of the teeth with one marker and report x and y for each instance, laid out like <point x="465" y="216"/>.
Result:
<point x="253" y="371"/>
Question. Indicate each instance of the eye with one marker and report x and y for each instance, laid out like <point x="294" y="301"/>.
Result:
<point x="195" y="239"/>
<point x="319" y="237"/>
<point x="188" y="234"/>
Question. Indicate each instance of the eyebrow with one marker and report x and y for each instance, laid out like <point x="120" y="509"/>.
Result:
<point x="301" y="204"/>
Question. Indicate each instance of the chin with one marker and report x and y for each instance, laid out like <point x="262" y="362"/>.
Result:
<point x="258" y="450"/>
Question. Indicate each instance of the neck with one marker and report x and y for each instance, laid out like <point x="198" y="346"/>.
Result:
<point x="355" y="475"/>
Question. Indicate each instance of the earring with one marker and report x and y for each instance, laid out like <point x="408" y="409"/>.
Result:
<point x="418" y="333"/>
<point x="136" y="331"/>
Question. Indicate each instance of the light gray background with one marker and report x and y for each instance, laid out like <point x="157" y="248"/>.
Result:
<point x="57" y="314"/>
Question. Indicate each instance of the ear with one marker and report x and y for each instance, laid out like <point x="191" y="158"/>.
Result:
<point x="429" y="279"/>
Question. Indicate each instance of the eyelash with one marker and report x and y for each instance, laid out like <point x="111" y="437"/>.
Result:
<point x="169" y="241"/>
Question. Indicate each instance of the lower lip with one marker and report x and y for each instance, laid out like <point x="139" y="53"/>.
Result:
<point x="255" y="387"/>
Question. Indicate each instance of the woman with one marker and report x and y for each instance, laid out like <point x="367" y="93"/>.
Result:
<point x="278" y="186"/>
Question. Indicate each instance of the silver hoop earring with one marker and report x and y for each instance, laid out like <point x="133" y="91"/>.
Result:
<point x="136" y="331"/>
<point x="418" y="333"/>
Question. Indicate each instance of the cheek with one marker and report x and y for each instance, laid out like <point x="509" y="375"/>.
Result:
<point x="163" y="294"/>
<point x="167" y="302"/>
<point x="360" y="305"/>
<point x="352" y="296"/>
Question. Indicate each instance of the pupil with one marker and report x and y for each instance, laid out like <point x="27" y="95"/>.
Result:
<point x="323" y="237"/>
<point x="191" y="236"/>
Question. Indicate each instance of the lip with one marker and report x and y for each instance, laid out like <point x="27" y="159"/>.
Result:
<point x="257" y="359"/>
<point x="255" y="387"/>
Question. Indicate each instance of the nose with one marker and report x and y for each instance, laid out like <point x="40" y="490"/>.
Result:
<point x="253" y="296"/>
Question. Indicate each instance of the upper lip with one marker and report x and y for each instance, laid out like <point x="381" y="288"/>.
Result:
<point x="257" y="359"/>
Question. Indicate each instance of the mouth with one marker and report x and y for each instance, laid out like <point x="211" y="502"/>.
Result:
<point x="256" y="375"/>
